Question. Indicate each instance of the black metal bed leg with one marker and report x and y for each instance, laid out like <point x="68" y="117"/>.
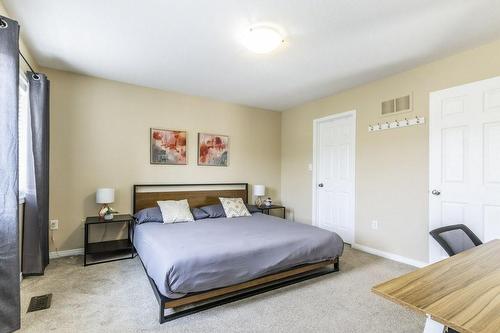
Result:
<point x="336" y="266"/>
<point x="162" y="312"/>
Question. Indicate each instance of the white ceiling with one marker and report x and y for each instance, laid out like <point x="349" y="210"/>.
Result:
<point x="192" y="46"/>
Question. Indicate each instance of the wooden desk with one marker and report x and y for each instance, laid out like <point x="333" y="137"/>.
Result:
<point x="461" y="292"/>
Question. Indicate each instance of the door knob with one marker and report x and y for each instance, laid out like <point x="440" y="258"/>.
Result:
<point x="320" y="185"/>
<point x="436" y="192"/>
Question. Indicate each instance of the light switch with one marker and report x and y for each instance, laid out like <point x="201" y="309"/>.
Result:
<point x="310" y="167"/>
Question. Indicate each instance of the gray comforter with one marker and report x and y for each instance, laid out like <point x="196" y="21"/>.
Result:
<point x="190" y="257"/>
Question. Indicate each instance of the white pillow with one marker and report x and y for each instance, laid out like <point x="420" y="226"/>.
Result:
<point x="234" y="207"/>
<point x="175" y="211"/>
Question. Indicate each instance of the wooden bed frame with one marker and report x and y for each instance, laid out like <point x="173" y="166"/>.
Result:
<point x="146" y="195"/>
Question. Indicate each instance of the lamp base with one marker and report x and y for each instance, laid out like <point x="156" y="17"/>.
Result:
<point x="103" y="211"/>
<point x="258" y="201"/>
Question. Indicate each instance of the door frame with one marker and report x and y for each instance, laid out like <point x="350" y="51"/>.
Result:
<point x="316" y="123"/>
<point x="433" y="113"/>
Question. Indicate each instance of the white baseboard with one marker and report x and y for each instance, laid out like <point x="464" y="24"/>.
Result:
<point x="66" y="253"/>
<point x="388" y="255"/>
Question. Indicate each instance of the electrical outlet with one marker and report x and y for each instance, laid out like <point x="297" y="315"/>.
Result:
<point x="54" y="224"/>
<point x="375" y="225"/>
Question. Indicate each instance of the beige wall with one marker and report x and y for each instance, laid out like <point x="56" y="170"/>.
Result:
<point x="391" y="166"/>
<point x="100" y="137"/>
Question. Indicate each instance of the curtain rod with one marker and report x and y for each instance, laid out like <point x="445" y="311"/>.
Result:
<point x="4" y="24"/>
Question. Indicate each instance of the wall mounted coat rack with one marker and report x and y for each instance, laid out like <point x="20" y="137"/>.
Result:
<point x="396" y="124"/>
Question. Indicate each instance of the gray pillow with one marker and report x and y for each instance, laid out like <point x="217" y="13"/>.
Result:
<point x="199" y="214"/>
<point x="253" y="209"/>
<point x="153" y="214"/>
<point x="214" y="211"/>
<point x="149" y="215"/>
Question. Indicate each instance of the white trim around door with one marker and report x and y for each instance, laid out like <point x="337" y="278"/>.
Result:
<point x="350" y="215"/>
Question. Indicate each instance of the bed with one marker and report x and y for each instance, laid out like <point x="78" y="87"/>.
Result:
<point x="197" y="265"/>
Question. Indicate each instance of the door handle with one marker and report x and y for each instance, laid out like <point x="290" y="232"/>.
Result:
<point x="436" y="192"/>
<point x="320" y="185"/>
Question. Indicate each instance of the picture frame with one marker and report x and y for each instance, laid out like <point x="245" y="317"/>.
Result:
<point x="168" y="147"/>
<point x="213" y="149"/>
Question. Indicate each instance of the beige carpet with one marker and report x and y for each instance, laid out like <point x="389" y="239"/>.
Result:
<point x="117" y="297"/>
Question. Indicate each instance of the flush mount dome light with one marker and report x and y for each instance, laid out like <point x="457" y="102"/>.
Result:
<point x="262" y="39"/>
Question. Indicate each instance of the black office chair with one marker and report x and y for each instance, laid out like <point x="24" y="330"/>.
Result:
<point x="455" y="238"/>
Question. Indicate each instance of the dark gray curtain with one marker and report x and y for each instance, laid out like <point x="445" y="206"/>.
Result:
<point x="36" y="213"/>
<point x="9" y="188"/>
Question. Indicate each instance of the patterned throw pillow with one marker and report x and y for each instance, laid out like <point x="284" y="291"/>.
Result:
<point x="234" y="207"/>
<point x="175" y="211"/>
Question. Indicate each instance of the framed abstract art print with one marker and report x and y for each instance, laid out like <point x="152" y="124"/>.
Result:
<point x="168" y="147"/>
<point x="213" y="149"/>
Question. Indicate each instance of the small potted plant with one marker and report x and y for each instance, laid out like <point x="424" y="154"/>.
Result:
<point x="107" y="212"/>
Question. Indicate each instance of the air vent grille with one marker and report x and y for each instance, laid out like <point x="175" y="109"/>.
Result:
<point x="396" y="105"/>
<point x="38" y="303"/>
<point x="403" y="103"/>
<point x="388" y="107"/>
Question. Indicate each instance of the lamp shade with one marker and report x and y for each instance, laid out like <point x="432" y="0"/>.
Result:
<point x="105" y="195"/>
<point x="259" y="190"/>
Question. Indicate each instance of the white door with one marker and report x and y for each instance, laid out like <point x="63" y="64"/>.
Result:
<point x="465" y="160"/>
<point x="333" y="174"/>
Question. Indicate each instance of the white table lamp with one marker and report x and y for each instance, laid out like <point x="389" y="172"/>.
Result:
<point x="105" y="196"/>
<point x="259" y="191"/>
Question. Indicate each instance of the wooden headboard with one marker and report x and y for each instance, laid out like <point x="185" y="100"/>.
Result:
<point x="198" y="195"/>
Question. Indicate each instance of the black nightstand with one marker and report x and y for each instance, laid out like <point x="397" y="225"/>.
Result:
<point x="107" y="251"/>
<point x="266" y="209"/>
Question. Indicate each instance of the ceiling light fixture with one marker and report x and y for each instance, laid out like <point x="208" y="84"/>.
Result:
<point x="262" y="39"/>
